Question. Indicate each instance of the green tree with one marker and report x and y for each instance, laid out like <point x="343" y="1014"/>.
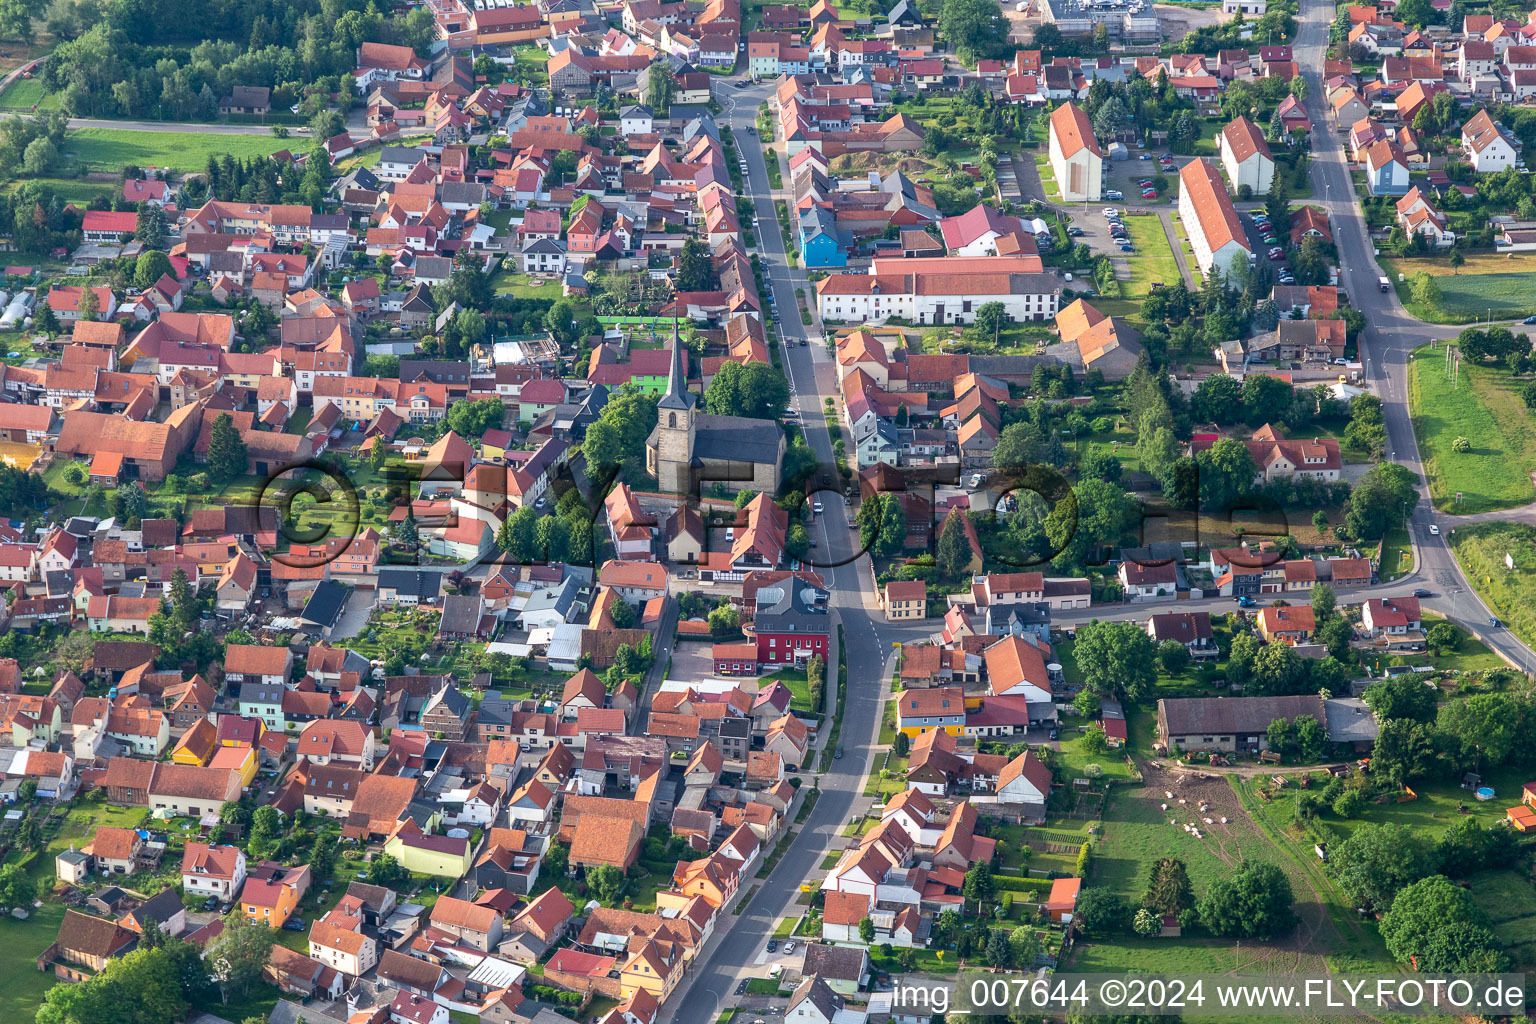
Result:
<point x="1218" y="399"/>
<point x="1226" y="472"/>
<point x="608" y="884"/>
<point x="998" y="952"/>
<point x="227" y="454"/>
<point x="1443" y="637"/>
<point x="1253" y="901"/>
<point x="1311" y="739"/>
<point x="1265" y="398"/>
<point x="975" y="29"/>
<point x="990" y="318"/>
<point x="1323" y="602"/>
<point x="386" y="871"/>
<point x="1435" y="923"/>
<point x="1017" y="445"/>
<point x="753" y="390"/>
<point x="1101" y="912"/>
<point x="1404" y="696"/>
<point x="1485" y="725"/>
<point x="695" y="266"/>
<point x="953" y="554"/>
<point x="1086" y="703"/>
<point x="1168" y="889"/>
<point x="1380" y="501"/>
<point x="867" y="931"/>
<point x="1173" y="656"/>
<point x="1277" y="670"/>
<point x="266" y="833"/>
<point x="238" y="954"/>
<point x="1115" y="659"/>
<point x="1378" y="860"/>
<point x="151" y="265"/>
<point x="978" y="883"/>
<point x="90" y="303"/>
<point x="661" y="86"/>
<point x="150" y="226"/>
<point x="41" y="154"/>
<point x="518" y="536"/>
<point x="616" y="441"/>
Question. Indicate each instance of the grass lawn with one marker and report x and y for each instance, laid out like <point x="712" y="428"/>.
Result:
<point x="763" y="987"/>
<point x="112" y="149"/>
<point x="1136" y="835"/>
<point x="1510" y="903"/>
<point x="1396" y="555"/>
<point x="1074" y="756"/>
<point x="71" y="190"/>
<point x="1480" y="549"/>
<point x="298" y="421"/>
<point x="1435" y="808"/>
<point x="533" y="61"/>
<point x="1504" y="286"/>
<point x="26" y="93"/>
<point x="799" y="688"/>
<point x="519" y="286"/>
<point x="888" y="725"/>
<point x="1484" y="409"/>
<point x="21" y="983"/>
<point x="1153" y="262"/>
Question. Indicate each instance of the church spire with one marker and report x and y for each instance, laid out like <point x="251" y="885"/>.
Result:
<point x="678" y="396"/>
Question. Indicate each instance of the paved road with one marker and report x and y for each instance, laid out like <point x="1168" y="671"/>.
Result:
<point x="866" y="637"/>
<point x="1386" y="348"/>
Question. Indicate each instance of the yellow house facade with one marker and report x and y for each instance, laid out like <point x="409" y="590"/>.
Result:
<point x="441" y="856"/>
<point x="238" y="759"/>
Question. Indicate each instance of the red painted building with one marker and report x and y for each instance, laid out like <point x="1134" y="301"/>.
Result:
<point x="791" y="624"/>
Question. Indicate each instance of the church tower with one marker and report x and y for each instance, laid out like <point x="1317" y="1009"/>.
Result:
<point x="675" y="414"/>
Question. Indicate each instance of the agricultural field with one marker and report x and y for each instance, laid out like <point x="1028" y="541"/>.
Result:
<point x="1480" y="548"/>
<point x="112" y="149"/>
<point x="1485" y="409"/>
<point x="1503" y="287"/>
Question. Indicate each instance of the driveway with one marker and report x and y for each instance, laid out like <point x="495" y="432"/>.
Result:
<point x="355" y="615"/>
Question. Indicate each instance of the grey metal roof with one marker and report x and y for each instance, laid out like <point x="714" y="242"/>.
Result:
<point x="737" y="439"/>
<point x="461" y="613"/>
<point x="325" y="604"/>
<point x="410" y="582"/>
<point x="1350" y="720"/>
<point x="1228" y="715"/>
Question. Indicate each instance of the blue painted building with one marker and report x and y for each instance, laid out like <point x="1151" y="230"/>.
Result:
<point x="821" y="245"/>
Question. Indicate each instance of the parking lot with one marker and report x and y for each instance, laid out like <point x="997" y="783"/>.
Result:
<point x="1268" y="246"/>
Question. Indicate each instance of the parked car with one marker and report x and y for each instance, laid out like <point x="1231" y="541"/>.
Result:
<point x="1145" y="156"/>
<point x="1114" y="194"/>
<point x="295" y="924"/>
<point x="789" y="947"/>
<point x="1494" y="622"/>
<point x="1245" y="602"/>
<point x="773" y="945"/>
<point x="1277" y="253"/>
<point x="1150" y="193"/>
<point x="1529" y="320"/>
<point x="1423" y="592"/>
<point x="1127" y="248"/>
<point x="1075" y="232"/>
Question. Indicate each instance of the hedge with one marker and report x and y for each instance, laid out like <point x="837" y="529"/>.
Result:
<point x="1004" y="883"/>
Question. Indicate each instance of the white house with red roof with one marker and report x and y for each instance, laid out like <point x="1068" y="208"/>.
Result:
<point x="977" y="231"/>
<point x="1391" y="616"/>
